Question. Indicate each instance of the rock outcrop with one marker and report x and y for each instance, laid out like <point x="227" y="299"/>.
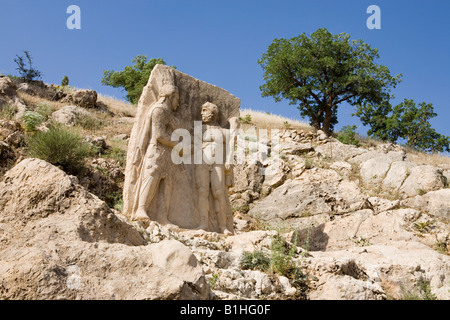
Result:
<point x="9" y="96"/>
<point x="82" y="98"/>
<point x="58" y="241"/>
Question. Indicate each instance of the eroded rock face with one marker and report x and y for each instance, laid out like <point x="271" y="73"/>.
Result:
<point x="58" y="241"/>
<point x="319" y="191"/>
<point x="82" y="98"/>
<point x="69" y="115"/>
<point x="8" y="95"/>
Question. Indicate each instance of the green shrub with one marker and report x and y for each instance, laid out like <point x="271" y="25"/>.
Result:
<point x="65" y="81"/>
<point x="59" y="146"/>
<point x="282" y="255"/>
<point x="44" y="109"/>
<point x="31" y="120"/>
<point x="347" y="135"/>
<point x="256" y="260"/>
<point x="421" y="291"/>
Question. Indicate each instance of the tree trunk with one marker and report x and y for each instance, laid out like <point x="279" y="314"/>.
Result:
<point x="327" y="120"/>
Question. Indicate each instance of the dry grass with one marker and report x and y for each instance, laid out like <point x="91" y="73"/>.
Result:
<point x="120" y="108"/>
<point x="33" y="101"/>
<point x="263" y="120"/>
<point x="433" y="159"/>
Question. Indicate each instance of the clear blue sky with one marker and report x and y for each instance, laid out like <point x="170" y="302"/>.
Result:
<point x="221" y="41"/>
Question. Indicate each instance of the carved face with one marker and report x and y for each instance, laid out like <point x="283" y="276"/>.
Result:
<point x="209" y="112"/>
<point x="175" y="100"/>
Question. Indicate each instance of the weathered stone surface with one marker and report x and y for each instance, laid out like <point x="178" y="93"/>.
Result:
<point x="436" y="203"/>
<point x="57" y="241"/>
<point x="8" y="95"/>
<point x="173" y="100"/>
<point x="82" y="98"/>
<point x="275" y="173"/>
<point x="26" y="88"/>
<point x="334" y="287"/>
<point x="296" y="198"/>
<point x="422" y="179"/>
<point x="339" y="151"/>
<point x="68" y="115"/>
<point x="397" y="174"/>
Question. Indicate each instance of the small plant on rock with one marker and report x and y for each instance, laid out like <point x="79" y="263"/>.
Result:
<point x="256" y="260"/>
<point x="31" y="120"/>
<point x="246" y="120"/>
<point x="347" y="135"/>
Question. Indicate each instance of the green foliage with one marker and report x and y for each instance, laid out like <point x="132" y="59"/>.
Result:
<point x="319" y="72"/>
<point x="44" y="109"/>
<point x="422" y="291"/>
<point x="7" y="111"/>
<point x="408" y="121"/>
<point x="361" y="242"/>
<point x="441" y="247"/>
<point x="347" y="135"/>
<point x="213" y="280"/>
<point x="246" y="120"/>
<point x="256" y="260"/>
<point x="31" y="120"/>
<point x="133" y="78"/>
<point x="59" y="146"/>
<point x="423" y="226"/>
<point x="65" y="81"/>
<point x="282" y="255"/>
<point x="27" y="73"/>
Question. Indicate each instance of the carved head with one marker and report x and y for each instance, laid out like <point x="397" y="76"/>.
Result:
<point x="170" y="92"/>
<point x="210" y="112"/>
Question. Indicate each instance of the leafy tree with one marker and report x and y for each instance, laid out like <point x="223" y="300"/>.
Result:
<point x="407" y="120"/>
<point x="27" y="73"/>
<point x="320" y="72"/>
<point x="133" y="78"/>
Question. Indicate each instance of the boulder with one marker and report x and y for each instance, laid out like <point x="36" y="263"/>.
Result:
<point x="275" y="173"/>
<point x="398" y="172"/>
<point x="58" y="241"/>
<point x="374" y="170"/>
<point x="422" y="179"/>
<point x="335" y="287"/>
<point x="68" y="115"/>
<point x="82" y="98"/>
<point x="321" y="191"/>
<point x="436" y="203"/>
<point x="339" y="151"/>
<point x="8" y="95"/>
<point x="26" y="88"/>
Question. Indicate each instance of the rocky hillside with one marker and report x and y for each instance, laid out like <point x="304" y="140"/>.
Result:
<point x="318" y="220"/>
